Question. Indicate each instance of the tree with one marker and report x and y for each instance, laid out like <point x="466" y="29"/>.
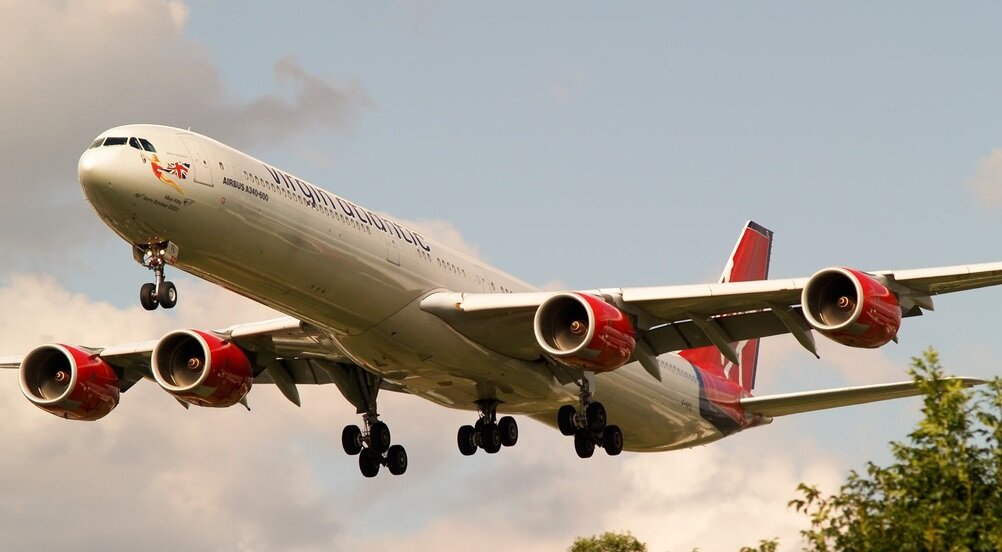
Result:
<point x="943" y="490"/>
<point x="608" y="542"/>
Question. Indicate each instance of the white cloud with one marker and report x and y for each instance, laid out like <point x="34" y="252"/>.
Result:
<point x="987" y="181"/>
<point x="78" y="68"/>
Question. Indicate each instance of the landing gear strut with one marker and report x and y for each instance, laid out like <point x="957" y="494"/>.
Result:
<point x="161" y="292"/>
<point x="373" y="444"/>
<point x="488" y="433"/>
<point x="590" y="428"/>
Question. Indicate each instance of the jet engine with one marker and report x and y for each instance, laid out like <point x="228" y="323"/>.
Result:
<point x="583" y="331"/>
<point x="851" y="307"/>
<point x="202" y="368"/>
<point x="69" y="382"/>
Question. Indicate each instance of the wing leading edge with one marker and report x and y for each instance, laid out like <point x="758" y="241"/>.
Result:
<point x="671" y="318"/>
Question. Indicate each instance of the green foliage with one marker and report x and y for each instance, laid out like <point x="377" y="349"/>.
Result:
<point x="608" y="542"/>
<point x="764" y="545"/>
<point x="943" y="490"/>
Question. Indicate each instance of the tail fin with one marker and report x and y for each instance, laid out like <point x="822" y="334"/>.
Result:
<point x="749" y="261"/>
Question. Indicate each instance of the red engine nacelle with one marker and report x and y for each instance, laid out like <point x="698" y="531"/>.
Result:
<point x="583" y="331"/>
<point x="69" y="382"/>
<point x="202" y="368"/>
<point x="851" y="308"/>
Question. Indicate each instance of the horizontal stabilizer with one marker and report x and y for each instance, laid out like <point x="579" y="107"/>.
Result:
<point x="809" y="401"/>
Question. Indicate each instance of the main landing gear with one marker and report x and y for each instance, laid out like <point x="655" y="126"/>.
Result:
<point x="373" y="447"/>
<point x="373" y="444"/>
<point x="488" y="433"/>
<point x="590" y="426"/>
<point x="161" y="292"/>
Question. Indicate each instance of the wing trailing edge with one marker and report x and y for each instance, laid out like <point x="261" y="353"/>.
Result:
<point x="809" y="401"/>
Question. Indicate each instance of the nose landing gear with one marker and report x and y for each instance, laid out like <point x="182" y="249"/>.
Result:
<point x="160" y="293"/>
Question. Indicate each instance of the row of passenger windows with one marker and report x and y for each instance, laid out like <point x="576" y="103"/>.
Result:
<point x="138" y="143"/>
<point x="446" y="265"/>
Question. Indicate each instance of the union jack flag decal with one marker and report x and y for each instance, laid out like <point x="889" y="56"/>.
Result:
<point x="179" y="170"/>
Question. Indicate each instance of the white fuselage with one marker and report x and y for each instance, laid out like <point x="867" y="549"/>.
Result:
<point x="358" y="276"/>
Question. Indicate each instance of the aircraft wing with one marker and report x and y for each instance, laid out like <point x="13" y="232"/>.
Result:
<point x="284" y="351"/>
<point x="796" y="403"/>
<point x="673" y="318"/>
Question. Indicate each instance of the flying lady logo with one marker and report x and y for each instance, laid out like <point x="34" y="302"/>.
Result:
<point x="179" y="170"/>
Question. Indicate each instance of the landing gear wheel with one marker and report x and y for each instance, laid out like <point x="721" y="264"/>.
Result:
<point x="467" y="440"/>
<point x="379" y="437"/>
<point x="612" y="440"/>
<point x="490" y="438"/>
<point x="396" y="460"/>
<point x="368" y="463"/>
<point x="148" y="296"/>
<point x="509" y="431"/>
<point x="565" y="419"/>
<point x="351" y="440"/>
<point x="583" y="443"/>
<point x="167" y="295"/>
<point x="595" y="414"/>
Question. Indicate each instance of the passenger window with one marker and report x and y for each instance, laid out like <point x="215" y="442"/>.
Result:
<point x="147" y="145"/>
<point x="135" y="143"/>
<point x="115" y="141"/>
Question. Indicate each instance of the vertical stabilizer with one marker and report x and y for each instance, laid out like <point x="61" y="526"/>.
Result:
<point x="749" y="261"/>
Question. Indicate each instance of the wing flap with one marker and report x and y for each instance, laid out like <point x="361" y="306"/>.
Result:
<point x="683" y="335"/>
<point x="809" y="401"/>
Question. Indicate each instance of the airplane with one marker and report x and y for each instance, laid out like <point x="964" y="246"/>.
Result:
<point x="374" y="305"/>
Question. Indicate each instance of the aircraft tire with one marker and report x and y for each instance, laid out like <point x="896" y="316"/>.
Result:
<point x="351" y="440"/>
<point x="595" y="414"/>
<point x="583" y="443"/>
<point x="565" y="419"/>
<point x="466" y="439"/>
<point x="148" y="296"/>
<point x="396" y="460"/>
<point x="167" y="295"/>
<point x="368" y="462"/>
<point x="379" y="437"/>
<point x="490" y="438"/>
<point x="509" y="431"/>
<point x="612" y="440"/>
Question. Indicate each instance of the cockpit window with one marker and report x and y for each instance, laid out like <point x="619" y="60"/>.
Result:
<point x="96" y="143"/>
<point x="147" y="145"/>
<point x="135" y="143"/>
<point x="115" y="141"/>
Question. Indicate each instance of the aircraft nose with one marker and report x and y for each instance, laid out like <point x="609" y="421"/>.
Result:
<point x="103" y="174"/>
<point x="96" y="169"/>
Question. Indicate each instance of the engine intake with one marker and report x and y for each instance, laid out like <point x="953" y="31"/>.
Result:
<point x="202" y="368"/>
<point x="851" y="307"/>
<point x="583" y="331"/>
<point x="69" y="382"/>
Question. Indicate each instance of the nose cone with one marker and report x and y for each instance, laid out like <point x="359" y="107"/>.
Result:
<point x="96" y="169"/>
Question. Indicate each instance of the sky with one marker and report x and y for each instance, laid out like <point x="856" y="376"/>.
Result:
<point x="573" y="144"/>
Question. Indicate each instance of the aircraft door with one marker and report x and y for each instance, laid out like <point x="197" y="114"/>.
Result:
<point x="201" y="166"/>
<point x="392" y="250"/>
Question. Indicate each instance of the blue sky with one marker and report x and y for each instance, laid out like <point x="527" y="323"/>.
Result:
<point x="575" y="144"/>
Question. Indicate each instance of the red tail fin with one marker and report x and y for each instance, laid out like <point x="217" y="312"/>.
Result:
<point x="749" y="261"/>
